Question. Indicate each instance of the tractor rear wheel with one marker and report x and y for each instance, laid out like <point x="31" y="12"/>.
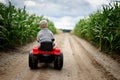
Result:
<point x="33" y="61"/>
<point x="58" y="62"/>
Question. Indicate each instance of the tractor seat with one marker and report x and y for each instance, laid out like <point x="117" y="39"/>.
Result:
<point x="46" y="46"/>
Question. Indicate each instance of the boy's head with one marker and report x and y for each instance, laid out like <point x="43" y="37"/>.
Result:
<point x="43" y="24"/>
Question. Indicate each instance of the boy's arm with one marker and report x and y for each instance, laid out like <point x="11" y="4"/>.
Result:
<point x="52" y="37"/>
<point x="38" y="38"/>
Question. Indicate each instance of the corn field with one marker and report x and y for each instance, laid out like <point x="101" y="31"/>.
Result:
<point x="102" y="28"/>
<point x="18" y="27"/>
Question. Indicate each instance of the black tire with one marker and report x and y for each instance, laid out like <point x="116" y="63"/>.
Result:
<point x="33" y="61"/>
<point x="58" y="62"/>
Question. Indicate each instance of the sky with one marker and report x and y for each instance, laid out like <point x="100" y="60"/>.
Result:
<point x="64" y="13"/>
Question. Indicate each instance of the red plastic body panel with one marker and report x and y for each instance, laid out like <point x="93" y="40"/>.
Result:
<point x="55" y="51"/>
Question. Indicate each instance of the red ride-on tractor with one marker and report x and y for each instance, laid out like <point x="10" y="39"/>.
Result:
<point x="46" y="54"/>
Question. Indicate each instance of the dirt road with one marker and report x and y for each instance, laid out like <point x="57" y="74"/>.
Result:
<point x="81" y="62"/>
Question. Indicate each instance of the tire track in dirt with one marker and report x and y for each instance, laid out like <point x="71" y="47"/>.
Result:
<point x="110" y="67"/>
<point x="88" y="71"/>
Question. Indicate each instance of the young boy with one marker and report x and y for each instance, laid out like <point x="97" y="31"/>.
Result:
<point x="44" y="35"/>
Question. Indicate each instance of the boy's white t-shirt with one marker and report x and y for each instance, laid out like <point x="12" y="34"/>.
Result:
<point x="44" y="35"/>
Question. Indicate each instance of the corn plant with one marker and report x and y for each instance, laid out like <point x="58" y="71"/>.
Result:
<point x="102" y="28"/>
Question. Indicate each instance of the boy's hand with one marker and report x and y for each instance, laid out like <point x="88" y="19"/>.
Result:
<point x="53" y="39"/>
<point x="37" y="40"/>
